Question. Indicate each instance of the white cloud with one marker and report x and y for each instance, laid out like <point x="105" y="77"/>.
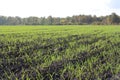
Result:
<point x="60" y="8"/>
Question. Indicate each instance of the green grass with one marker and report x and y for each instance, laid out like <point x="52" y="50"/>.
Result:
<point x="59" y="52"/>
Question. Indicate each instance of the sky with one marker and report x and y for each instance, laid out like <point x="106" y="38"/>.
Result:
<point x="58" y="8"/>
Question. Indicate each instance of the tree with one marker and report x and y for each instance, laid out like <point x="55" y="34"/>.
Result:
<point x="74" y="20"/>
<point x="113" y="19"/>
<point x="49" y="20"/>
<point x="56" y="21"/>
<point x="3" y="20"/>
<point x="42" y="21"/>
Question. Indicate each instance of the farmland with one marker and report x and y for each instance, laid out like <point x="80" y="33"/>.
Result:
<point x="59" y="52"/>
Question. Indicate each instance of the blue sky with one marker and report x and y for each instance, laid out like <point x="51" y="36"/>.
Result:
<point x="115" y="4"/>
<point x="58" y="8"/>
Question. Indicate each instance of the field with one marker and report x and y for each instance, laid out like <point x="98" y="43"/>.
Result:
<point x="59" y="52"/>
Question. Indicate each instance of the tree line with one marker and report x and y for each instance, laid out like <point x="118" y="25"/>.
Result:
<point x="74" y="20"/>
